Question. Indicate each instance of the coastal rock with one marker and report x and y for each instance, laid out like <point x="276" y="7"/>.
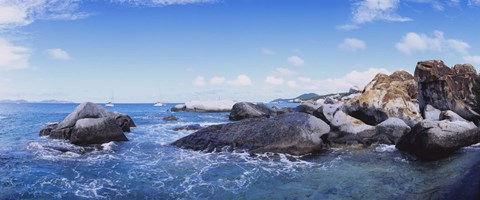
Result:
<point x="292" y="133"/>
<point x="170" y="118"/>
<point x="90" y="124"/>
<point x="446" y="88"/>
<point x="96" y="131"/>
<point x="431" y="113"/>
<point x="431" y="140"/>
<point x="345" y="129"/>
<point x="244" y="110"/>
<point x="389" y="131"/>
<point x="204" y="106"/>
<point x="385" y="97"/>
<point x="354" y="90"/>
<point x="451" y="116"/>
<point x="179" y="108"/>
<point x="307" y="107"/>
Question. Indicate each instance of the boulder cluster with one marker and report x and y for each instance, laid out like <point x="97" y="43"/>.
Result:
<point x="428" y="114"/>
<point x="90" y="124"/>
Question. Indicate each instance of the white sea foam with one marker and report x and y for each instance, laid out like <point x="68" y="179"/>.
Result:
<point x="3" y="117"/>
<point x="385" y="148"/>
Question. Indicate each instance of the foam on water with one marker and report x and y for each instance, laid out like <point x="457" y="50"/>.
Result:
<point x="385" y="148"/>
<point x="3" y="117"/>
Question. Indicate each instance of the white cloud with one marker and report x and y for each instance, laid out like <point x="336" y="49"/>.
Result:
<point x="284" y="71"/>
<point x="353" y="78"/>
<point x="217" y="80"/>
<point x="413" y="42"/>
<point x="474" y="2"/>
<point x="162" y="2"/>
<point x="199" y="81"/>
<point x="268" y="52"/>
<point x="57" y="54"/>
<point x="12" y="56"/>
<point x="352" y="44"/>
<point x="292" y="84"/>
<point x="296" y="61"/>
<point x="304" y="79"/>
<point x="272" y="80"/>
<point x="367" y="11"/>
<point x="241" y="80"/>
<point x="472" y="59"/>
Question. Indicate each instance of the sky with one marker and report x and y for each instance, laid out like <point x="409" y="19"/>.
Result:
<point x="144" y="51"/>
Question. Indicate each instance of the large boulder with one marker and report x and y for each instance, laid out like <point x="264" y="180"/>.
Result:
<point x="389" y="131"/>
<point x="204" y="106"/>
<point x="345" y="129"/>
<point x="244" y="110"/>
<point x="446" y="88"/>
<point x="90" y="124"/>
<point x="291" y="133"/>
<point x="96" y="131"/>
<point x="431" y="140"/>
<point x="431" y="113"/>
<point x="385" y="97"/>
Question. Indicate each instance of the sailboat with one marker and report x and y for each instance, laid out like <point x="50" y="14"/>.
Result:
<point x="110" y="103"/>
<point x="158" y="103"/>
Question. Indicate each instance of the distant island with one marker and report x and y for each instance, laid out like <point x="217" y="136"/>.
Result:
<point x="25" y="101"/>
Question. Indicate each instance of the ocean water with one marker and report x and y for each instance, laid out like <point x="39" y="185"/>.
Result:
<point x="147" y="167"/>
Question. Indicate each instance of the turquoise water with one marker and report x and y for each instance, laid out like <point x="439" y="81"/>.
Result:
<point x="146" y="167"/>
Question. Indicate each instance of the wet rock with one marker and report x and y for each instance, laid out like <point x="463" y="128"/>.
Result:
<point x="446" y="88"/>
<point x="245" y="110"/>
<point x="170" y="118"/>
<point x="178" y="108"/>
<point x="292" y="133"/>
<point x="432" y="140"/>
<point x="386" y="97"/>
<point x="191" y="127"/>
<point x="96" y="131"/>
<point x="90" y="124"/>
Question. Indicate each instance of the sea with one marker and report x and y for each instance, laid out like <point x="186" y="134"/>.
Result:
<point x="148" y="167"/>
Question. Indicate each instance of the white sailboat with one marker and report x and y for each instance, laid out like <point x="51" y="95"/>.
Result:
<point x="158" y="103"/>
<point x="110" y="103"/>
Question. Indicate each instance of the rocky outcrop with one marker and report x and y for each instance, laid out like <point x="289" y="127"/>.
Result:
<point x="385" y="97"/>
<point x="204" y="106"/>
<point x="431" y="140"/>
<point x="293" y="133"/>
<point x="244" y="110"/>
<point x="445" y="88"/>
<point x="191" y="127"/>
<point x="90" y="124"/>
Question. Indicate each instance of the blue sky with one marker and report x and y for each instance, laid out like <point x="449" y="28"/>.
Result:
<point x="249" y="50"/>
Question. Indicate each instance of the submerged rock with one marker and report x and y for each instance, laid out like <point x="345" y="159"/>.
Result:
<point x="385" y="97"/>
<point x="292" y="133"/>
<point x="170" y="118"/>
<point x="431" y="140"/>
<point x="191" y="127"/>
<point x="90" y="124"/>
<point x="245" y="110"/>
<point x="445" y="88"/>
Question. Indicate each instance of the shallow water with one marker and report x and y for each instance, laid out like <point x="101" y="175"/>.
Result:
<point x="146" y="167"/>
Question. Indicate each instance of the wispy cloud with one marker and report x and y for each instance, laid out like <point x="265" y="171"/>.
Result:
<point x="240" y="81"/>
<point x="472" y="59"/>
<point x="13" y="56"/>
<point x="57" y="54"/>
<point x="199" y="81"/>
<point x="352" y="45"/>
<point x="268" y="52"/>
<point x="296" y="61"/>
<point x="272" y="80"/>
<point x="414" y="42"/>
<point x="367" y="11"/>
<point x="162" y="2"/>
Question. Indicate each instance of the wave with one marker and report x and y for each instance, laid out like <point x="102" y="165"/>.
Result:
<point x="3" y="117"/>
<point x="385" y="148"/>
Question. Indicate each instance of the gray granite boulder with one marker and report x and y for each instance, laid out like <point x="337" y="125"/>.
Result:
<point x="245" y="110"/>
<point x="291" y="133"/>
